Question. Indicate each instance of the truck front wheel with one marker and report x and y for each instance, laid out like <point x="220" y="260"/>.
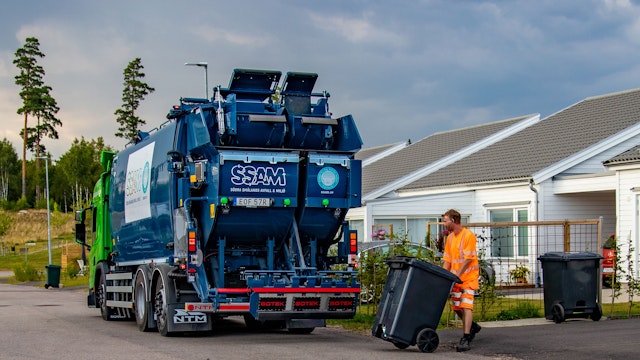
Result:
<point x="101" y="294"/>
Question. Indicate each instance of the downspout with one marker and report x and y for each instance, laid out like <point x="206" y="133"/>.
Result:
<point x="535" y="191"/>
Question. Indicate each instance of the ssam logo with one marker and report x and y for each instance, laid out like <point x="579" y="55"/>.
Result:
<point x="258" y="176"/>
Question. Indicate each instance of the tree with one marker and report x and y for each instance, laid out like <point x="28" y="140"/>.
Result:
<point x="38" y="102"/>
<point x="9" y="168"/>
<point x="30" y="79"/>
<point x="133" y="93"/>
<point x="77" y="171"/>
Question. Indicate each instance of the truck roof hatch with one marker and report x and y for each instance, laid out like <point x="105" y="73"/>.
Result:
<point x="250" y="84"/>
<point x="299" y="83"/>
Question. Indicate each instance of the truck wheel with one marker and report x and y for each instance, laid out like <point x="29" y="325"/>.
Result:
<point x="165" y="295"/>
<point x="141" y="304"/>
<point x="101" y="295"/>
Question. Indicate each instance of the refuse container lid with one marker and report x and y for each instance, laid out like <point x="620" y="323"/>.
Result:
<point x="52" y="266"/>
<point x="568" y="256"/>
<point x="402" y="261"/>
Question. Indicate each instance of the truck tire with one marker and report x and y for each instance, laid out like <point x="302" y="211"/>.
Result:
<point x="164" y="295"/>
<point x="142" y="306"/>
<point x="101" y="294"/>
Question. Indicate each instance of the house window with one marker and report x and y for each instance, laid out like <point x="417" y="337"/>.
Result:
<point x="509" y="241"/>
<point x="415" y="229"/>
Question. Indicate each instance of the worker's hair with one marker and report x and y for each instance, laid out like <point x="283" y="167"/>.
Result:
<point x="453" y="215"/>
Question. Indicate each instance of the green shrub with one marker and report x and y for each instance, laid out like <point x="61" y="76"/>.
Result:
<point x="73" y="268"/>
<point x="26" y="272"/>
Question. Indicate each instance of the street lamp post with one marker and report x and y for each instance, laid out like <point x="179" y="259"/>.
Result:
<point x="206" y="75"/>
<point x="46" y="166"/>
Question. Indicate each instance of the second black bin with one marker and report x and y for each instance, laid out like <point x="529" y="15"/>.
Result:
<point x="570" y="281"/>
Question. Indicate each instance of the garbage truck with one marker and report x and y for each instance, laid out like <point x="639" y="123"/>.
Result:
<point x="235" y="206"/>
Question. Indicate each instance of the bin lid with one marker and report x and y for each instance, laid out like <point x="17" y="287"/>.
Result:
<point x="402" y="261"/>
<point x="568" y="256"/>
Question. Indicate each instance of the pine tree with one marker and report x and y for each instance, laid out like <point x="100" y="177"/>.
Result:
<point x="133" y="93"/>
<point x="30" y="79"/>
<point x="38" y="102"/>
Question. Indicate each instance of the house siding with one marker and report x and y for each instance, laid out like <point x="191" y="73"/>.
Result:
<point x="627" y="206"/>
<point x="579" y="206"/>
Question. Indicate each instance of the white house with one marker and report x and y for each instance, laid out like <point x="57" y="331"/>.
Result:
<point x="521" y="169"/>
<point x="627" y="179"/>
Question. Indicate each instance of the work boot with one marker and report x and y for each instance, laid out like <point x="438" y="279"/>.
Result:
<point x="464" y="345"/>
<point x="475" y="328"/>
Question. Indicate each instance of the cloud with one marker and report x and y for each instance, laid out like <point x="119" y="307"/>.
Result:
<point x="213" y="35"/>
<point x="357" y="30"/>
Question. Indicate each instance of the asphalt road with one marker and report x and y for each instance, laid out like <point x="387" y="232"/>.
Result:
<point x="40" y="323"/>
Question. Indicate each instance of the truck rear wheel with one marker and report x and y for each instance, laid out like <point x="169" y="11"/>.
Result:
<point x="164" y="295"/>
<point x="141" y="304"/>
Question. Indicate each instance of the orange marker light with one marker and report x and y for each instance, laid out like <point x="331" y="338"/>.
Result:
<point x="192" y="241"/>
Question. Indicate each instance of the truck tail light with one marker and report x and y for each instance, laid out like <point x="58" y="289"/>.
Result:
<point x="353" y="242"/>
<point x="192" y="241"/>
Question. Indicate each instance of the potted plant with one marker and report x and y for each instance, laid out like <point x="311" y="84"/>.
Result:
<point x="520" y="274"/>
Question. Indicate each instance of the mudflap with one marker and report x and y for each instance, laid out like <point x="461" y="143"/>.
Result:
<point x="188" y="321"/>
<point x="305" y="323"/>
<point x="91" y="299"/>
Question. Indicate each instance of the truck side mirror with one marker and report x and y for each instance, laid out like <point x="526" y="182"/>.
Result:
<point x="80" y="216"/>
<point x="81" y="234"/>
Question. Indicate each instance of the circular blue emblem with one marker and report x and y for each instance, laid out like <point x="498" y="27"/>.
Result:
<point x="146" y="172"/>
<point x="328" y="178"/>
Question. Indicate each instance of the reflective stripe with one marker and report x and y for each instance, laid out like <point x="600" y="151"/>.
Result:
<point x="456" y="294"/>
<point x="466" y="301"/>
<point x="470" y="269"/>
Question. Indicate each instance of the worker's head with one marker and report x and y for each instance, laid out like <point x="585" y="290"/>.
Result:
<point x="452" y="215"/>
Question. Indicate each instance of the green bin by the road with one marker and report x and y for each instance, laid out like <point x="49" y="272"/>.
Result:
<point x="53" y="276"/>
<point x="570" y="281"/>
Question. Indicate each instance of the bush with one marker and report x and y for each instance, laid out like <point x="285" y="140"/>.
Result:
<point x="73" y="268"/>
<point x="22" y="204"/>
<point x="26" y="272"/>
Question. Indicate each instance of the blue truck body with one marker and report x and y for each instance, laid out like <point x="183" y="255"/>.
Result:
<point x="235" y="206"/>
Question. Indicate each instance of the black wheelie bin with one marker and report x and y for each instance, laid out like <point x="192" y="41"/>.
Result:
<point x="412" y="302"/>
<point x="570" y="281"/>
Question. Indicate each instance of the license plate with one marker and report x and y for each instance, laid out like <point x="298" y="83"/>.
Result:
<point x="252" y="202"/>
<point x="607" y="270"/>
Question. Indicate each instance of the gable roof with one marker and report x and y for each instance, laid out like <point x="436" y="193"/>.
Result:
<point x="376" y="153"/>
<point x="541" y="150"/>
<point x="383" y="174"/>
<point x="630" y="156"/>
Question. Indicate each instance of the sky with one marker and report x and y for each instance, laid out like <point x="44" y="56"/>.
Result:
<point x="404" y="69"/>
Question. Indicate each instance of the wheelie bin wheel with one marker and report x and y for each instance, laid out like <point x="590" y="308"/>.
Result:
<point x="427" y="340"/>
<point x="597" y="313"/>
<point x="557" y="311"/>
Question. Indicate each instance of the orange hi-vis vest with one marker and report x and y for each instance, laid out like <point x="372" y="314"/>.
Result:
<point x="457" y="249"/>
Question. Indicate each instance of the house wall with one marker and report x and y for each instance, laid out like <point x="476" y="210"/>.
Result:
<point x="579" y="206"/>
<point x="628" y="203"/>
